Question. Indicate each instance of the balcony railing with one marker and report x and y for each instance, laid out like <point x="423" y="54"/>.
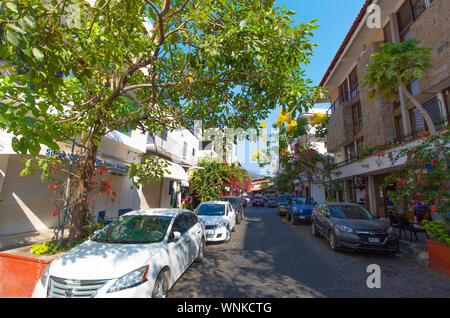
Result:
<point x="439" y="123"/>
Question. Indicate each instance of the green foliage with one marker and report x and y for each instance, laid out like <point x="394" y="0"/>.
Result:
<point x="44" y="248"/>
<point x="437" y="230"/>
<point x="425" y="176"/>
<point x="215" y="179"/>
<point x="79" y="77"/>
<point x="403" y="61"/>
<point x="149" y="170"/>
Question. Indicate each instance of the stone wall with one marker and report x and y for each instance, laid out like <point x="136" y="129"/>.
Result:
<point x="377" y="113"/>
<point x="432" y="29"/>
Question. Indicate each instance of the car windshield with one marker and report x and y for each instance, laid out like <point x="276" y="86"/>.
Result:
<point x="350" y="212"/>
<point x="135" y="229"/>
<point x="298" y="200"/>
<point x="283" y="198"/>
<point x="211" y="209"/>
<point x="272" y="199"/>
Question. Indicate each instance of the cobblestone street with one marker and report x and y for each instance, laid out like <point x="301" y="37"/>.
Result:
<point x="268" y="257"/>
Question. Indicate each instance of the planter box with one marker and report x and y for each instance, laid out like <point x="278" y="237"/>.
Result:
<point x="19" y="272"/>
<point x="439" y="255"/>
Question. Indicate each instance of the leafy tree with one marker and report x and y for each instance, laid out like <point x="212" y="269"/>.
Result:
<point x="144" y="65"/>
<point x="396" y="65"/>
<point x="304" y="158"/>
<point x="216" y="179"/>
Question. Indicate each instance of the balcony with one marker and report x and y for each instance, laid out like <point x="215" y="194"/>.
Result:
<point x="367" y="152"/>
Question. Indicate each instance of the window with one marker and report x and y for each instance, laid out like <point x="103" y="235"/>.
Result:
<point x="180" y="224"/>
<point x="185" y="145"/>
<point x="413" y="87"/>
<point x="163" y="134"/>
<point x="359" y="144"/>
<point x="350" y="152"/>
<point x="190" y="219"/>
<point x="354" y="83"/>
<point x="387" y="33"/>
<point x="357" y="118"/>
<point x="399" y="127"/>
<point x="409" y="12"/>
<point x="343" y="93"/>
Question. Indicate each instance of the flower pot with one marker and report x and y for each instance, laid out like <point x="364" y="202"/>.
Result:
<point x="439" y="255"/>
<point x="20" y="271"/>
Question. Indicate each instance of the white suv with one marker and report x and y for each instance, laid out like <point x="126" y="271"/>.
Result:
<point x="219" y="218"/>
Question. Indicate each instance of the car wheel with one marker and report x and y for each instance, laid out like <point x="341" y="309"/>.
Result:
<point x="228" y="235"/>
<point x="293" y="220"/>
<point x="314" y="230"/>
<point x="332" y="240"/>
<point x="161" y="288"/>
<point x="201" y="252"/>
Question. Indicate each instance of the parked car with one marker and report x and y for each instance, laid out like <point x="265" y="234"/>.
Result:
<point x="219" y="218"/>
<point x="300" y="209"/>
<point x="349" y="225"/>
<point x="272" y="202"/>
<point x="283" y="203"/>
<point x="238" y="204"/>
<point x="258" y="200"/>
<point x="140" y="254"/>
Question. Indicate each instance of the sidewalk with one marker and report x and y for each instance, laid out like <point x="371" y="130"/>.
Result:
<point x="416" y="250"/>
<point x="9" y="242"/>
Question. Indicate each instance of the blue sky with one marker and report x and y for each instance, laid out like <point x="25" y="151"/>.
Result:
<point x="335" y="17"/>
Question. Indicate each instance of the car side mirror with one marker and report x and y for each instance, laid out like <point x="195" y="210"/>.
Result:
<point x="175" y="236"/>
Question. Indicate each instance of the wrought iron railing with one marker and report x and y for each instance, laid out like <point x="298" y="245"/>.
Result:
<point x="439" y="123"/>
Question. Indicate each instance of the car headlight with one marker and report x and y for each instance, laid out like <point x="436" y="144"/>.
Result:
<point x="345" y="228"/>
<point x="131" y="279"/>
<point x="44" y="276"/>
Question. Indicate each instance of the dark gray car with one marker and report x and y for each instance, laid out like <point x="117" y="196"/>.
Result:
<point x="350" y="226"/>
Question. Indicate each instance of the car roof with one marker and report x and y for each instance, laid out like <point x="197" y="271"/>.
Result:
<point x="216" y="202"/>
<point x="158" y="212"/>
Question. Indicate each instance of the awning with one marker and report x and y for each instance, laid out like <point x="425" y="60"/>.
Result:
<point x="176" y="172"/>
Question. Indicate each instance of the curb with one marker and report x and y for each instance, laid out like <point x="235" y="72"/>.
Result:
<point x="417" y="255"/>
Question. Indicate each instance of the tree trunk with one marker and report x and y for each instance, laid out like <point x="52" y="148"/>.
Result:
<point x="422" y="110"/>
<point x="80" y="207"/>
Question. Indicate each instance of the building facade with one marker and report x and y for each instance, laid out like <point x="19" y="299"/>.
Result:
<point x="356" y="123"/>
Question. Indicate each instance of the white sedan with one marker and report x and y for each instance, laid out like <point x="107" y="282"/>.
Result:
<point x="141" y="254"/>
<point x="219" y="219"/>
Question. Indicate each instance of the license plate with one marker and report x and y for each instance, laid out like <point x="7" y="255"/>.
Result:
<point x="373" y="240"/>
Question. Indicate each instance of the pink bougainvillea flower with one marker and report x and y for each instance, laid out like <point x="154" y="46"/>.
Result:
<point x="55" y="213"/>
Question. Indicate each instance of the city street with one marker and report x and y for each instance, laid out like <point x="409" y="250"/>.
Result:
<point x="267" y="257"/>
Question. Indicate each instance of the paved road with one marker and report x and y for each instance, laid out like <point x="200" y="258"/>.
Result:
<point x="267" y="257"/>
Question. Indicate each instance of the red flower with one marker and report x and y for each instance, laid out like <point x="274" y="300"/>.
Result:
<point x="113" y="193"/>
<point x="52" y="186"/>
<point x="55" y="213"/>
<point x="89" y="199"/>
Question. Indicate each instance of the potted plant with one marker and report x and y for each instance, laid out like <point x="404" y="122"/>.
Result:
<point x="438" y="249"/>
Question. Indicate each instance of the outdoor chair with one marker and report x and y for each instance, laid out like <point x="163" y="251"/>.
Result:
<point x="393" y="220"/>
<point x="405" y="225"/>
